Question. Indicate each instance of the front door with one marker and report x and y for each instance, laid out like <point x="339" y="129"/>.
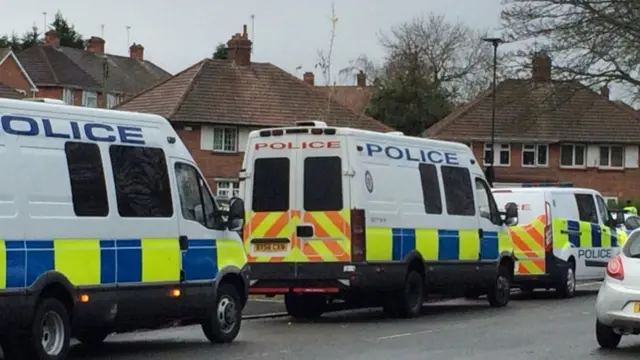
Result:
<point x="489" y="223"/>
<point x="588" y="239"/>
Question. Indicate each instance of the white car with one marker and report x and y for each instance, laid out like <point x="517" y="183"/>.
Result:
<point x="618" y="302"/>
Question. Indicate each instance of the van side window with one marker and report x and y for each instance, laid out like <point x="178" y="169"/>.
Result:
<point x="141" y="180"/>
<point x="322" y="183"/>
<point x="604" y="211"/>
<point x="430" y="188"/>
<point x="458" y="190"/>
<point x="587" y="208"/>
<point x="486" y="204"/>
<point x="86" y="174"/>
<point x="271" y="184"/>
<point x="196" y="202"/>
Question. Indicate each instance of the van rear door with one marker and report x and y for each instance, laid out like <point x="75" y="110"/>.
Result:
<point x="323" y="198"/>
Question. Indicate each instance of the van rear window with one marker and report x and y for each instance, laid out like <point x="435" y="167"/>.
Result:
<point x="271" y="185"/>
<point x="323" y="183"/>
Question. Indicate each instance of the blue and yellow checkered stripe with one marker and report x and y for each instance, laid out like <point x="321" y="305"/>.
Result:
<point x="90" y="262"/>
<point x="394" y="244"/>
<point x="583" y="234"/>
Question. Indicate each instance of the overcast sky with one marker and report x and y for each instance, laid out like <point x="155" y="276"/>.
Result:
<point x="288" y="33"/>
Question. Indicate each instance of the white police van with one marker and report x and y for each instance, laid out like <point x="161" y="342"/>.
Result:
<point x="370" y="218"/>
<point x="106" y="225"/>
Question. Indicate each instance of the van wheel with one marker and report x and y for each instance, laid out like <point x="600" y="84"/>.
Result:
<point x="92" y="337"/>
<point x="47" y="338"/>
<point x="566" y="285"/>
<point x="500" y="291"/>
<point x="305" y="306"/>
<point x="223" y="325"/>
<point x="607" y="338"/>
<point x="408" y="303"/>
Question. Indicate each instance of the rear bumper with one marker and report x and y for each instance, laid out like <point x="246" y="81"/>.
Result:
<point x="334" y="277"/>
<point x="614" y="306"/>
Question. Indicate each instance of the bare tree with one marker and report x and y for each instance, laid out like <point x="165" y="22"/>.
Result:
<point x="361" y="63"/>
<point x="452" y="55"/>
<point x="324" y="56"/>
<point x="591" y="41"/>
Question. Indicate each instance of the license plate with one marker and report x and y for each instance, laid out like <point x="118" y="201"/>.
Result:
<point x="270" y="247"/>
<point x="636" y="307"/>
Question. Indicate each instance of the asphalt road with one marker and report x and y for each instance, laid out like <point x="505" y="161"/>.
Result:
<point x="537" y="328"/>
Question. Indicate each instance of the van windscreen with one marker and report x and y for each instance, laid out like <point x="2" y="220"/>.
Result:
<point x="323" y="183"/>
<point x="271" y="185"/>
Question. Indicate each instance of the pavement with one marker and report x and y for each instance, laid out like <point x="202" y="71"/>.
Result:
<point x="532" y="328"/>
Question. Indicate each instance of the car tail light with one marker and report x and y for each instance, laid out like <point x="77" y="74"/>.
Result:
<point x="615" y="269"/>
<point x="548" y="234"/>
<point x="358" y="236"/>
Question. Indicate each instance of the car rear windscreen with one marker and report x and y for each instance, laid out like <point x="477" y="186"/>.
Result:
<point x="271" y="185"/>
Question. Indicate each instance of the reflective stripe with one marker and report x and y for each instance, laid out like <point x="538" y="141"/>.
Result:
<point x="529" y="246"/>
<point x="160" y="260"/>
<point x="79" y="260"/>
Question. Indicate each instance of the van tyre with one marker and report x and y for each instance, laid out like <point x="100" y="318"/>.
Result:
<point x="500" y="291"/>
<point x="305" y="306"/>
<point x="223" y="325"/>
<point x="47" y="338"/>
<point x="607" y="338"/>
<point x="566" y="283"/>
<point x="407" y="303"/>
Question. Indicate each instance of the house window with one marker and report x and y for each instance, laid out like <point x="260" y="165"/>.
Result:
<point x="501" y="154"/>
<point x="611" y="156"/>
<point x="67" y="96"/>
<point x="227" y="189"/>
<point x="112" y="100"/>
<point x="90" y="99"/>
<point x="535" y="155"/>
<point x="572" y="156"/>
<point x="225" y="139"/>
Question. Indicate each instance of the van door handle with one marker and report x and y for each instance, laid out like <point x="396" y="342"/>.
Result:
<point x="480" y="233"/>
<point x="183" y="240"/>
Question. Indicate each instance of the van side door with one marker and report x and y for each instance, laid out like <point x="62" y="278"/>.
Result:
<point x="609" y="237"/>
<point x="586" y="235"/>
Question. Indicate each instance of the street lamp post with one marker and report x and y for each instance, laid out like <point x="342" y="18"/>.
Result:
<point x="490" y="174"/>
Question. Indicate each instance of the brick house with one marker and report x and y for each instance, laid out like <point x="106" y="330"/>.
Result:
<point x="355" y="97"/>
<point x="551" y="131"/>
<point x="14" y="77"/>
<point x="8" y="92"/>
<point x="214" y="104"/>
<point x="78" y="77"/>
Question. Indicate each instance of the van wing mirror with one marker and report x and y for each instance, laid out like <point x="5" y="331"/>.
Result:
<point x="511" y="213"/>
<point x="236" y="218"/>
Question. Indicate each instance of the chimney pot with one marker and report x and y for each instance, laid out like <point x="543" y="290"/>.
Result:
<point x="309" y="78"/>
<point x="52" y="38"/>
<point x="96" y="45"/>
<point x="361" y="79"/>
<point x="136" y="52"/>
<point x="239" y="48"/>
<point x="541" y="68"/>
<point x="604" y="91"/>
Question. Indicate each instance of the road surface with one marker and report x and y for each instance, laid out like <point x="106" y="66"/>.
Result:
<point x="538" y="328"/>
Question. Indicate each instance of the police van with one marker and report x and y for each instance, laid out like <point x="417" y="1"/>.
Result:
<point x="564" y="234"/>
<point x="107" y="225"/>
<point x="345" y="215"/>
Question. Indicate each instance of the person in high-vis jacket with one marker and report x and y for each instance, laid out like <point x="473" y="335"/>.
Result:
<point x="630" y="208"/>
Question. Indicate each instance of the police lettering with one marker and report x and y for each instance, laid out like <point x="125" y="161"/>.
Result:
<point x="299" y="146"/>
<point x="604" y="253"/>
<point x="26" y="126"/>
<point x="408" y="154"/>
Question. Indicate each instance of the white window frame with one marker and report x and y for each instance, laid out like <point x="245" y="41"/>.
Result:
<point x="223" y="130"/>
<point x="89" y="95"/>
<point x="497" y="149"/>
<point x="225" y="188"/>
<point x="573" y="152"/>
<point x="68" y="96"/>
<point x="112" y="100"/>
<point x="609" y="166"/>
<point x="535" y="149"/>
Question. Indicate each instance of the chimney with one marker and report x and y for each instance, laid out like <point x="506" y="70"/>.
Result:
<point x="604" y="91"/>
<point x="239" y="48"/>
<point x="541" y="68"/>
<point x="136" y="52"/>
<point x="51" y="38"/>
<point x="309" y="78"/>
<point x="96" y="45"/>
<point x="361" y="79"/>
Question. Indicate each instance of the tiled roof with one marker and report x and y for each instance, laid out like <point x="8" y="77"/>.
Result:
<point x="63" y="66"/>
<point x="354" y="97"/>
<point x="221" y="92"/>
<point x="9" y="92"/>
<point x="550" y="111"/>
